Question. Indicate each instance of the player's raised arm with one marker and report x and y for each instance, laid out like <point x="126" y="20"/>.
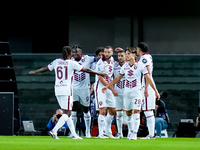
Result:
<point x="114" y="81"/>
<point x="41" y="70"/>
<point x="149" y="80"/>
<point x="94" y="72"/>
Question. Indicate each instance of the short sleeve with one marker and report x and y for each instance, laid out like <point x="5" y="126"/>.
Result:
<point x="144" y="69"/>
<point x="77" y="66"/>
<point x="91" y="59"/>
<point x="146" y="61"/>
<point x="51" y="66"/>
<point x="122" y="70"/>
<point x="100" y="66"/>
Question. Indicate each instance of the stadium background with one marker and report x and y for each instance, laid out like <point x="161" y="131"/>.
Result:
<point x="37" y="31"/>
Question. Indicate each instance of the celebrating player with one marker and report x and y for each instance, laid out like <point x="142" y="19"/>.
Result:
<point x="148" y="93"/>
<point x="105" y="100"/>
<point x="81" y="87"/>
<point x="119" y="87"/>
<point x="133" y="98"/>
<point x="64" y="70"/>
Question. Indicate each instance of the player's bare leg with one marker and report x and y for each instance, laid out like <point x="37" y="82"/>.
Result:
<point x="101" y="122"/>
<point x="119" y="123"/>
<point x="108" y="122"/>
<point x="87" y="119"/>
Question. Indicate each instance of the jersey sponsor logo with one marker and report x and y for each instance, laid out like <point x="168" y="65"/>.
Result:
<point x="110" y="68"/>
<point x="117" y="68"/>
<point x="144" y="60"/>
<point x="130" y="72"/>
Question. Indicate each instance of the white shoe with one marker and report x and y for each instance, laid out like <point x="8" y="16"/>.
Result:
<point x="128" y="136"/>
<point x="102" y="137"/>
<point x="109" y="135"/>
<point x="53" y="135"/>
<point x="87" y="135"/>
<point x="119" y="136"/>
<point x="133" y="136"/>
<point x="77" y="137"/>
<point x="148" y="137"/>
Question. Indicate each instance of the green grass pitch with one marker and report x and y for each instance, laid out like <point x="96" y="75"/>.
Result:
<point x="65" y="143"/>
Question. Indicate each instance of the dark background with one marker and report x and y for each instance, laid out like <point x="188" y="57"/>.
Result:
<point x="45" y="27"/>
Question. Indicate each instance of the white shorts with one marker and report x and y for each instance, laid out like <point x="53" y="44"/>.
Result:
<point x="133" y="100"/>
<point x="65" y="101"/>
<point x="103" y="99"/>
<point x="148" y="102"/>
<point x="119" y="102"/>
<point x="82" y="95"/>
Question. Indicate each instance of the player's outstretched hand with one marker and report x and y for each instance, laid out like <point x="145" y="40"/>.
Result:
<point x="157" y="95"/>
<point x="118" y="49"/>
<point x="104" y="89"/>
<point x="32" y="72"/>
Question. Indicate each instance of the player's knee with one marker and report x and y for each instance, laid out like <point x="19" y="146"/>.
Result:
<point x="102" y="111"/>
<point x="129" y="112"/>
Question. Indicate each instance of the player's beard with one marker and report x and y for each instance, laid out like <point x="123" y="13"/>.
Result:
<point x="107" y="58"/>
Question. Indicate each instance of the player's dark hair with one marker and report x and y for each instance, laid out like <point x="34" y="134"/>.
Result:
<point x="99" y="49"/>
<point x="76" y="47"/>
<point x="131" y="49"/>
<point x="121" y="51"/>
<point x="108" y="47"/>
<point x="143" y="46"/>
<point x="66" y="51"/>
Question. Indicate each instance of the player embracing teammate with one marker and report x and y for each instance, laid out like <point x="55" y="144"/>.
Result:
<point x="133" y="100"/>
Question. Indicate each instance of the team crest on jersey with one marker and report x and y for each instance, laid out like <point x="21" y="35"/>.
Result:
<point x="110" y="68"/>
<point x="144" y="60"/>
<point x="135" y="67"/>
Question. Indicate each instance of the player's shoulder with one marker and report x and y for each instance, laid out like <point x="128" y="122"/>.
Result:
<point x="126" y="65"/>
<point x="140" y="64"/>
<point x="100" y="61"/>
<point x="116" y="63"/>
<point x="57" y="60"/>
<point x="145" y="58"/>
